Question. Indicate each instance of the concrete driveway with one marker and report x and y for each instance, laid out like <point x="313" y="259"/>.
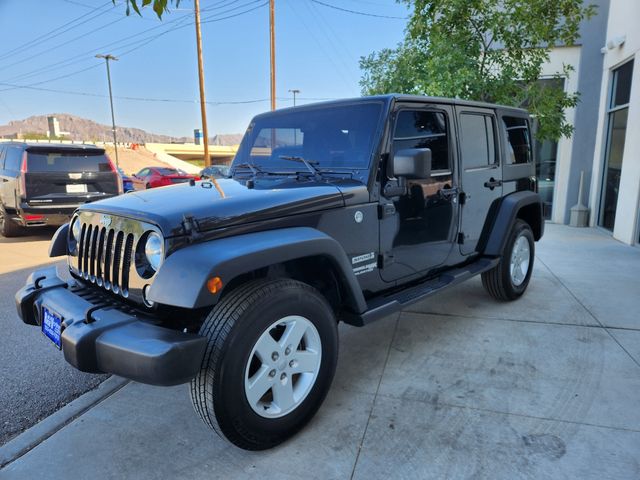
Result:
<point x="35" y="380"/>
<point x="457" y="387"/>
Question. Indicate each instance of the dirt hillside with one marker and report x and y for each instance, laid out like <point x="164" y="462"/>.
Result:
<point x="132" y="161"/>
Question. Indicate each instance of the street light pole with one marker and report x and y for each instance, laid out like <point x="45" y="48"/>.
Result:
<point x="113" y="119"/>
<point x="295" y="91"/>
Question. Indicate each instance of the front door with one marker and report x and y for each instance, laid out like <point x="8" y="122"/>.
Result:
<point x="480" y="172"/>
<point x="418" y="222"/>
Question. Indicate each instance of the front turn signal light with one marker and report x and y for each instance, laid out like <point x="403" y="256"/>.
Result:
<point x="214" y="284"/>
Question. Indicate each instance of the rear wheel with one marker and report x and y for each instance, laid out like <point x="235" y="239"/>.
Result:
<point x="8" y="227"/>
<point x="270" y="359"/>
<point x="147" y="186"/>
<point x="509" y="279"/>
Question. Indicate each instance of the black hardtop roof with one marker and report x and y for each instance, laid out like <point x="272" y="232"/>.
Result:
<point x="51" y="146"/>
<point x="398" y="97"/>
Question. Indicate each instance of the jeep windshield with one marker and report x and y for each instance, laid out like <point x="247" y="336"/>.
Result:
<point x="338" y="138"/>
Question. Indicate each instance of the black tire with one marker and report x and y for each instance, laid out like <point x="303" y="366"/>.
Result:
<point x="233" y="328"/>
<point x="147" y="186"/>
<point x="9" y="228"/>
<point x="498" y="281"/>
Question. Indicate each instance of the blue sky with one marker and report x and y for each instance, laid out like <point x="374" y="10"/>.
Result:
<point x="317" y="52"/>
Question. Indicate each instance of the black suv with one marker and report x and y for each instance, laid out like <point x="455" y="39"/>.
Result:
<point x="42" y="184"/>
<point x="342" y="211"/>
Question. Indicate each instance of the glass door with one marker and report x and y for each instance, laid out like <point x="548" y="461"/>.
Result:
<point x="616" y="133"/>
<point x="546" y="156"/>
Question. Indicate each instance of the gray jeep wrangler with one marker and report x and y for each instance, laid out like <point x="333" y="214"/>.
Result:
<point x="342" y="211"/>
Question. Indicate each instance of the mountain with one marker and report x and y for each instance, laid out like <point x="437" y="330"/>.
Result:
<point x="226" y="139"/>
<point x="78" y="128"/>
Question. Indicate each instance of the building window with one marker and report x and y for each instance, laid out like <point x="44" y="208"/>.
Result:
<point x="616" y="131"/>
<point x="546" y="157"/>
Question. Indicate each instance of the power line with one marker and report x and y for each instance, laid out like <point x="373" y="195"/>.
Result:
<point x="339" y="69"/>
<point x="159" y="100"/>
<point x="341" y="52"/>
<point x="357" y="12"/>
<point x="180" y="24"/>
<point x="144" y="42"/>
<point x="265" y="3"/>
<point x="52" y="33"/>
<point x="79" y="37"/>
<point x="89" y="53"/>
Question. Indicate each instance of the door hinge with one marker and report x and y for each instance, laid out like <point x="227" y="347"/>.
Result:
<point x="384" y="259"/>
<point x="461" y="238"/>
<point x="386" y="210"/>
<point x="462" y="198"/>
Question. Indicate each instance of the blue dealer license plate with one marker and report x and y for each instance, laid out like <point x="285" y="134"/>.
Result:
<point x="51" y="323"/>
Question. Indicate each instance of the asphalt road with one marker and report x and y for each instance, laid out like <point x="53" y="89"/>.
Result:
<point x="35" y="381"/>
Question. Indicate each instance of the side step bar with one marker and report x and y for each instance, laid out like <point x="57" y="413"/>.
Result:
<point x="385" y="305"/>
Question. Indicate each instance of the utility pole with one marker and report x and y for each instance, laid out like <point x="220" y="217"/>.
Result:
<point x="295" y="91"/>
<point x="113" y="119"/>
<point x="203" y="107"/>
<point x="272" y="43"/>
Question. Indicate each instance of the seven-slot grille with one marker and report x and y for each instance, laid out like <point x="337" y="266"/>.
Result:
<point x="106" y="252"/>
<point x="104" y="257"/>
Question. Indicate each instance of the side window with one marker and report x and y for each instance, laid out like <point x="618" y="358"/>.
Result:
<point x="477" y="140"/>
<point x="2" y="154"/>
<point x="13" y="156"/>
<point x="424" y="129"/>
<point x="144" y="172"/>
<point x="519" y="140"/>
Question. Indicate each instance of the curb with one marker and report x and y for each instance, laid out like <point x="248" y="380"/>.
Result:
<point x="44" y="429"/>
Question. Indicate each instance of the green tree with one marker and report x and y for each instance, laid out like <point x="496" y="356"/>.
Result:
<point x="159" y="6"/>
<point x="487" y="50"/>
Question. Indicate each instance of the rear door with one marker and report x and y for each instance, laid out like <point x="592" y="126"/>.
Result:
<point x="68" y="176"/>
<point x="480" y="172"/>
<point x="10" y="157"/>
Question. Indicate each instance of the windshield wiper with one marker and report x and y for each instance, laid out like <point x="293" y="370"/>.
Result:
<point x="307" y="163"/>
<point x="255" y="169"/>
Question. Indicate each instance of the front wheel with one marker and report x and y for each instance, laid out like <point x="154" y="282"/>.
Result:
<point x="509" y="279"/>
<point x="270" y="359"/>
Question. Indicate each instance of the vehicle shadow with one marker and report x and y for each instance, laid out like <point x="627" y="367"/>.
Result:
<point x="34" y="235"/>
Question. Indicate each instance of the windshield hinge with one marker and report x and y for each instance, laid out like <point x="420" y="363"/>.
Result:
<point x="190" y="227"/>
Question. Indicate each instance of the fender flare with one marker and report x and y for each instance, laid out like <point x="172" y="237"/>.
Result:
<point x="58" y="244"/>
<point x="505" y="217"/>
<point x="181" y="280"/>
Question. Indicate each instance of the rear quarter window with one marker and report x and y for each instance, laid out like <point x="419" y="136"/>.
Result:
<point x="518" y="140"/>
<point x="12" y="158"/>
<point x="67" y="162"/>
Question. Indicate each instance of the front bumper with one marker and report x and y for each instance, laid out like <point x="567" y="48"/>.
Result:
<point x="99" y="337"/>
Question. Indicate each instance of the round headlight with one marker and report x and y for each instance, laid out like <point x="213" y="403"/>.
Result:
<point x="75" y="229"/>
<point x="153" y="250"/>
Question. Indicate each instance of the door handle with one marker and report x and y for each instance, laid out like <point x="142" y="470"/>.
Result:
<point x="447" y="193"/>
<point x="492" y="183"/>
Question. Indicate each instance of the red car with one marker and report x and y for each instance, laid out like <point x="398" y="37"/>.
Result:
<point x="151" y="177"/>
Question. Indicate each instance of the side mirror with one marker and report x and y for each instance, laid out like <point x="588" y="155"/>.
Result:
<point x="411" y="163"/>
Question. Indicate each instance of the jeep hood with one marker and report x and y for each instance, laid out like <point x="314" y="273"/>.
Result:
<point x="269" y="198"/>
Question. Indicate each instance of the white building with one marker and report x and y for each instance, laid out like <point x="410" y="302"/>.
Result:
<point x="615" y="184"/>
<point x="602" y="146"/>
